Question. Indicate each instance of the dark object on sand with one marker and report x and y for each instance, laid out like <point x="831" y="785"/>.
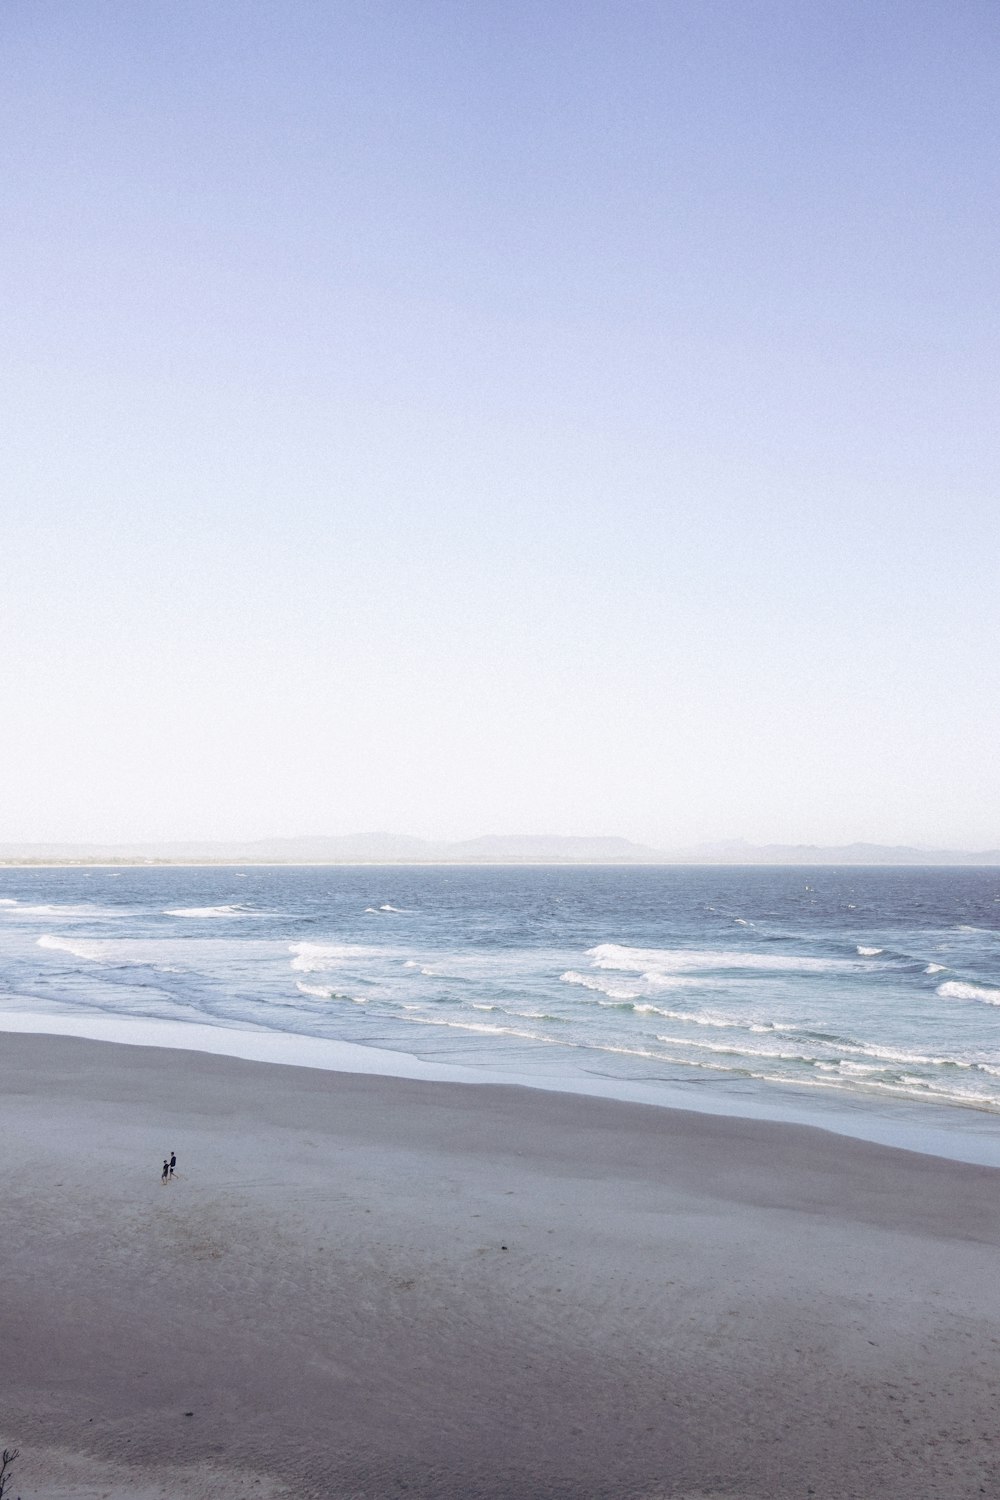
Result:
<point x="7" y="1457"/>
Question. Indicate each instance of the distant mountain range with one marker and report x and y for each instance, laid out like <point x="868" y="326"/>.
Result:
<point x="388" y="848"/>
<point x="360" y="848"/>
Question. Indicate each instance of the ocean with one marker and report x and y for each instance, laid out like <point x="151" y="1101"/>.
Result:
<point x="832" y="995"/>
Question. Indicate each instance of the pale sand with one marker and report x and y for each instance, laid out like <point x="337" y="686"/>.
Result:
<point x="687" y="1305"/>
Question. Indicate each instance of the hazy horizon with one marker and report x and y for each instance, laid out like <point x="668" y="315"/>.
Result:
<point x="458" y="417"/>
<point x="397" y="847"/>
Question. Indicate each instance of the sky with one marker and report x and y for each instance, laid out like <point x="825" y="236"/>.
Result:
<point x="461" y="418"/>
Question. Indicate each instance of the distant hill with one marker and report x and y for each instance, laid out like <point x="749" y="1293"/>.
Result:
<point x="361" y="848"/>
<point x="499" y="849"/>
<point x="739" y="852"/>
<point x="542" y="847"/>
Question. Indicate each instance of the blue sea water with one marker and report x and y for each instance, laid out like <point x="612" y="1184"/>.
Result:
<point x="864" y="986"/>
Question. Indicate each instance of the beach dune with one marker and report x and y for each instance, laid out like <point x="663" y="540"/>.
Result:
<point x="364" y="1288"/>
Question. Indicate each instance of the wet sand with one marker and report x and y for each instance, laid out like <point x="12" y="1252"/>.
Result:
<point x="364" y="1288"/>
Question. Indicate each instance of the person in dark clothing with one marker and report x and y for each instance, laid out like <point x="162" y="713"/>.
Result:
<point x="173" y="1162"/>
<point x="166" y="1171"/>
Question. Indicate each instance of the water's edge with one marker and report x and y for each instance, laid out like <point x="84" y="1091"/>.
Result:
<point x="897" y="1128"/>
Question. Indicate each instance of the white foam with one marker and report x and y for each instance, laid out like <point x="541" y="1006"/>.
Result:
<point x="935" y="968"/>
<point x="115" y="953"/>
<point x="63" y="909"/>
<point x="324" y="992"/>
<point x="920" y="1059"/>
<point x="93" y="951"/>
<point x="481" y="1028"/>
<point x="723" y="1022"/>
<point x="590" y="982"/>
<point x="522" y="1015"/>
<point x="658" y="964"/>
<point x="311" y="958"/>
<point x="733" y="1051"/>
<point x="320" y="991"/>
<point x="956" y="989"/>
<point x="7" y="901"/>
<point x="206" y="911"/>
<point x="868" y="952"/>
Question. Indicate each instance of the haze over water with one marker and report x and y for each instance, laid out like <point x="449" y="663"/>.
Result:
<point x="867" y="986"/>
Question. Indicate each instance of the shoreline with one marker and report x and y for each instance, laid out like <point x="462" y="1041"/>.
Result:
<point x="964" y="1135"/>
<point x="363" y="1287"/>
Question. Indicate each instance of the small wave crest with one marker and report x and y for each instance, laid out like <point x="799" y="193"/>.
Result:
<point x="957" y="989"/>
<point x="481" y="1028"/>
<point x="60" y="909"/>
<point x="325" y="992"/>
<point x="98" y="951"/>
<point x="311" y="958"/>
<point x="524" y="1015"/>
<point x="207" y="911"/>
<point x="659" y="964"/>
<point x="80" y="949"/>
<point x="725" y="1050"/>
<point x="591" y="982"/>
<point x="869" y="952"/>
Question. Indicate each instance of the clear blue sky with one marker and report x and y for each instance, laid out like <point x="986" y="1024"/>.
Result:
<point x="484" y="417"/>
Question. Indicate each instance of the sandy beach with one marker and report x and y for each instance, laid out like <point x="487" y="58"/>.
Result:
<point x="373" y="1287"/>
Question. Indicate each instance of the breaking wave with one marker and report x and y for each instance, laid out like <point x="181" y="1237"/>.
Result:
<point x="655" y="964"/>
<point x="325" y="992"/>
<point x="92" y="951"/>
<point x="312" y="958"/>
<point x="589" y="982"/>
<point x="207" y="911"/>
<point x="59" y="909"/>
<point x="100" y="951"/>
<point x="957" y="989"/>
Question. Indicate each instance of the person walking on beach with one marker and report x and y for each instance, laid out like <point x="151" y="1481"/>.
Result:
<point x="173" y="1162"/>
<point x="166" y="1170"/>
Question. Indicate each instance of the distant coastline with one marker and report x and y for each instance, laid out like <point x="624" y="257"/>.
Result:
<point x="383" y="849"/>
